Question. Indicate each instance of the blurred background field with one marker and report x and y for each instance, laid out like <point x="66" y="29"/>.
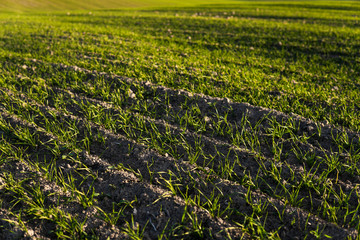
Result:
<point x="47" y="5"/>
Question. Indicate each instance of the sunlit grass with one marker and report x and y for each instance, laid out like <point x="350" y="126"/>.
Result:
<point x="244" y="115"/>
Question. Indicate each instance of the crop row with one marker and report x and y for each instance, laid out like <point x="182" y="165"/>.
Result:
<point x="270" y="151"/>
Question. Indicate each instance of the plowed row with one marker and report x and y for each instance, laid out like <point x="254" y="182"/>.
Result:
<point x="233" y="173"/>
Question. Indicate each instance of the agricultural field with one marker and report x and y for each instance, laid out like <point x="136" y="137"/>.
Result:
<point x="213" y="121"/>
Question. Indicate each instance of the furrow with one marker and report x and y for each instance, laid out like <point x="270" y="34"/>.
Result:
<point x="34" y="202"/>
<point x="215" y="154"/>
<point x="151" y="202"/>
<point x="320" y="135"/>
<point x="313" y="141"/>
<point x="48" y="188"/>
<point x="114" y="146"/>
<point x="222" y="157"/>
